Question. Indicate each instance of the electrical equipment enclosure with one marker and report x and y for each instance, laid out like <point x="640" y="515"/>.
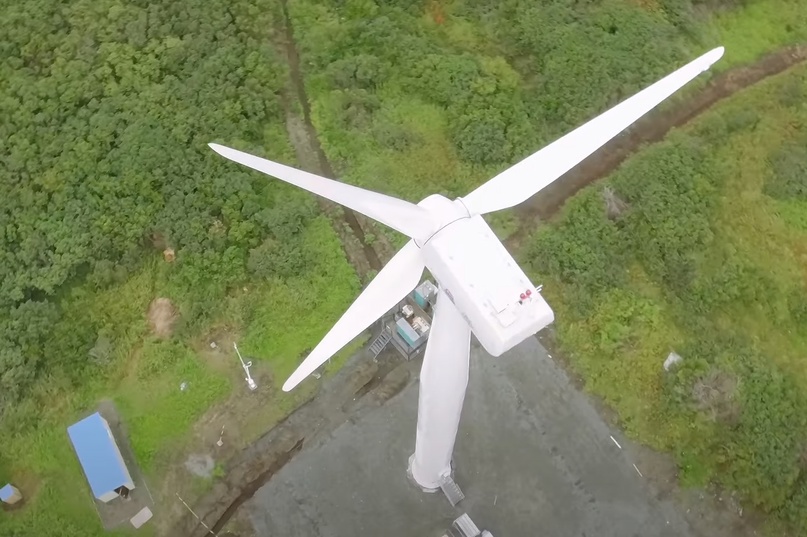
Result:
<point x="408" y="333"/>
<point x="424" y="293"/>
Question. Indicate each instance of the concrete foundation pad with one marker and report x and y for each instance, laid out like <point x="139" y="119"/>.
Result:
<point x="141" y="517"/>
<point x="533" y="457"/>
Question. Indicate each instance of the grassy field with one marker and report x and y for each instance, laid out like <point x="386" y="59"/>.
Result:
<point x="705" y="255"/>
<point x="277" y="321"/>
<point x="110" y="106"/>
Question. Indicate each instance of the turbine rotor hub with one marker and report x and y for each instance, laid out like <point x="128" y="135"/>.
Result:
<point x="443" y="212"/>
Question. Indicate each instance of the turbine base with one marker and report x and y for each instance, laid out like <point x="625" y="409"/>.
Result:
<point x="410" y="476"/>
<point x="429" y="488"/>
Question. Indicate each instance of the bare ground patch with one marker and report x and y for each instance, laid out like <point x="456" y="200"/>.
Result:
<point x="710" y="511"/>
<point x="162" y="316"/>
<point x="361" y="384"/>
<point x="221" y="433"/>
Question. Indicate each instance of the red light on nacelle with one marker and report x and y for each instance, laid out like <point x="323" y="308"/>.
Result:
<point x="523" y="296"/>
<point x="529" y="292"/>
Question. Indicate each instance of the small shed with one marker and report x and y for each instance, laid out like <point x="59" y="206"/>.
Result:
<point x="10" y="495"/>
<point x="100" y="458"/>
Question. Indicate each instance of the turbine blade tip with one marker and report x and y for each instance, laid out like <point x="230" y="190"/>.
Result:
<point x="715" y="54"/>
<point x="291" y="383"/>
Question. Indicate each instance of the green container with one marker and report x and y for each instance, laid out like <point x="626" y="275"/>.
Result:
<point x="423" y="293"/>
<point x="419" y="298"/>
<point x="408" y="333"/>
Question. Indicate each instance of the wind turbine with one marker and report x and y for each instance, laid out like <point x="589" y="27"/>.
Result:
<point x="481" y="287"/>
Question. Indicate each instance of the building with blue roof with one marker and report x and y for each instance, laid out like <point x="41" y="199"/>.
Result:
<point x="9" y="494"/>
<point x="100" y="458"/>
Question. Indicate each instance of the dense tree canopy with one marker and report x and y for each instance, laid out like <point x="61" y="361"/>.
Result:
<point x="641" y="267"/>
<point x="107" y="109"/>
<point x="475" y="85"/>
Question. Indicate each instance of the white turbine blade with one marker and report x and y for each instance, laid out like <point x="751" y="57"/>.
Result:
<point x="387" y="289"/>
<point x="520" y="182"/>
<point x="400" y="215"/>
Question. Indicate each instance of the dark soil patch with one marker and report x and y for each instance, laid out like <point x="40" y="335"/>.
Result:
<point x="706" y="509"/>
<point x="321" y="165"/>
<point x="162" y="316"/>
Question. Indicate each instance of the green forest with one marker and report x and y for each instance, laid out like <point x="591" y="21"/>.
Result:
<point x="696" y="245"/>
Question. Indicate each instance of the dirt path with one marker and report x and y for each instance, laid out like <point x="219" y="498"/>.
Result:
<point x="651" y="128"/>
<point x="312" y="157"/>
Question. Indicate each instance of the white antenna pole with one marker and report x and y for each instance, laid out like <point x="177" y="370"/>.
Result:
<point x="197" y="516"/>
<point x="250" y="382"/>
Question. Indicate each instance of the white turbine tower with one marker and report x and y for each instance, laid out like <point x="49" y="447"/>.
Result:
<point x="481" y="287"/>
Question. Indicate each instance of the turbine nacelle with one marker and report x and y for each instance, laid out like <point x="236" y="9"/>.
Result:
<point x="478" y="275"/>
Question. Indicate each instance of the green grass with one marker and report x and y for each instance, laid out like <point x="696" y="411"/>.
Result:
<point x="156" y="412"/>
<point x="705" y="262"/>
<point x="289" y="317"/>
<point x="757" y="28"/>
<point x="281" y="319"/>
<point x="150" y="179"/>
